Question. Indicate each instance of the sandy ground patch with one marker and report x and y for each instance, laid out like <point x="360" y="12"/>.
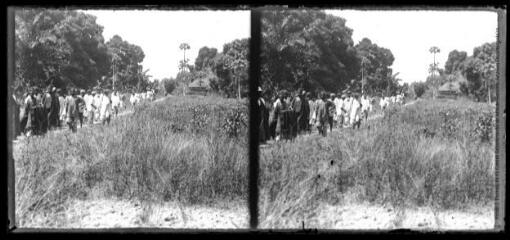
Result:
<point x="361" y="216"/>
<point x="108" y="213"/>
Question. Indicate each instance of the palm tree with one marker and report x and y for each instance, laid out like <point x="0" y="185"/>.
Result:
<point x="183" y="63"/>
<point x="184" y="47"/>
<point x="434" y="50"/>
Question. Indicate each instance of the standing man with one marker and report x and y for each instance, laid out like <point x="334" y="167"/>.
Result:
<point x="89" y="105"/>
<point x="297" y="106"/>
<point x="279" y="106"/>
<point x="80" y="102"/>
<point x="97" y="104"/>
<point x="115" y="103"/>
<point x="322" y="114"/>
<point x="263" y="125"/>
<point x="46" y="99"/>
<point x="355" y="112"/>
<point x="311" y="116"/>
<point x="53" y="115"/>
<point x="106" y="108"/>
<point x="365" y="106"/>
<point x="62" y="107"/>
<point x="30" y="113"/>
<point x="306" y="111"/>
<point x="330" y="105"/>
<point x="71" y="109"/>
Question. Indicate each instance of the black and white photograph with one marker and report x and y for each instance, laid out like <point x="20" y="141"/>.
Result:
<point x="377" y="119"/>
<point x="130" y="118"/>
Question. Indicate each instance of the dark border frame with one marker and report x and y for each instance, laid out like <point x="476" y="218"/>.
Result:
<point x="255" y="41"/>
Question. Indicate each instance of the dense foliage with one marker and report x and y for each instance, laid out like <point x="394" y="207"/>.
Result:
<point x="315" y="51"/>
<point x="67" y="48"/>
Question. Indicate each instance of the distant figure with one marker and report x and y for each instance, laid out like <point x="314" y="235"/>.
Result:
<point x="280" y="105"/>
<point x="306" y="111"/>
<point x="263" y="121"/>
<point x="106" y="108"/>
<point x="29" y="115"/>
<point x="53" y="115"/>
<point x="97" y="104"/>
<point x="89" y="101"/>
<point x="338" y="101"/>
<point x="80" y="102"/>
<point x="330" y="105"/>
<point x="115" y="103"/>
<point x="62" y="104"/>
<point x="347" y="107"/>
<point x="365" y="107"/>
<point x="311" y="117"/>
<point x="46" y="101"/>
<point x="355" y="112"/>
<point x="322" y="114"/>
<point x="71" y="109"/>
<point x="297" y="107"/>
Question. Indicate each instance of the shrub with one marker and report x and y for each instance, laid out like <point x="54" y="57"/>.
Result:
<point x="419" y="89"/>
<point x="170" y="85"/>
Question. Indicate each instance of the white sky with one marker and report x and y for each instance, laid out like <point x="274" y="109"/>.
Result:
<point x="159" y="33"/>
<point x="410" y="34"/>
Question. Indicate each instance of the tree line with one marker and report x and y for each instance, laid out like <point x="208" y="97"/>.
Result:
<point x="227" y="71"/>
<point x="475" y="73"/>
<point x="66" y="48"/>
<point x="314" y="51"/>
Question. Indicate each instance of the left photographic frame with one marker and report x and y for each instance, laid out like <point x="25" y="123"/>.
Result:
<point x="128" y="118"/>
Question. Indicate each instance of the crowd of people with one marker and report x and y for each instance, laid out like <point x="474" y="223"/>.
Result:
<point x="286" y="115"/>
<point x="41" y="110"/>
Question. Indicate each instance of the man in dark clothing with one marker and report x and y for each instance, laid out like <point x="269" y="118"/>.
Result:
<point x="330" y="105"/>
<point x="53" y="115"/>
<point x="297" y="106"/>
<point x="80" y="102"/>
<point x="322" y="114"/>
<point x="39" y="112"/>
<point x="71" y="110"/>
<point x="29" y="115"/>
<point x="47" y="103"/>
<point x="263" y="124"/>
<point x="306" y="111"/>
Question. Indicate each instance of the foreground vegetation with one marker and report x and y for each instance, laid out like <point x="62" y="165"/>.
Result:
<point x="192" y="150"/>
<point x="432" y="153"/>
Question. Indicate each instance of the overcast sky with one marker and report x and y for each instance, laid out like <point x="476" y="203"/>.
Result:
<point x="410" y="34"/>
<point x="159" y="33"/>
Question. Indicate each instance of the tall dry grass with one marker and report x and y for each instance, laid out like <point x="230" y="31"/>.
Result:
<point x="431" y="153"/>
<point x="193" y="150"/>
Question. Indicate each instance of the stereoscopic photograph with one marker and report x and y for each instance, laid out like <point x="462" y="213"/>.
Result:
<point x="377" y="119"/>
<point x="130" y="118"/>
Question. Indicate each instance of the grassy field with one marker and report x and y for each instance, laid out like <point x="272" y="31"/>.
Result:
<point x="432" y="153"/>
<point x="187" y="149"/>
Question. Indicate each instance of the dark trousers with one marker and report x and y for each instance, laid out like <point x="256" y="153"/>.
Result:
<point x="356" y="124"/>
<point x="80" y="117"/>
<point x="330" y="121"/>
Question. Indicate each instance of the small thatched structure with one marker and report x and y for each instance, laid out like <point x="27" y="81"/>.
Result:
<point x="451" y="89"/>
<point x="200" y="86"/>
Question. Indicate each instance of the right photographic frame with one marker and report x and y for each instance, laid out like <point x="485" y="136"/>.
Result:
<point x="381" y="119"/>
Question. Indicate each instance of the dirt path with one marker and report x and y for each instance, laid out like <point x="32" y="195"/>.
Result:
<point x="110" y="213"/>
<point x="365" y="216"/>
